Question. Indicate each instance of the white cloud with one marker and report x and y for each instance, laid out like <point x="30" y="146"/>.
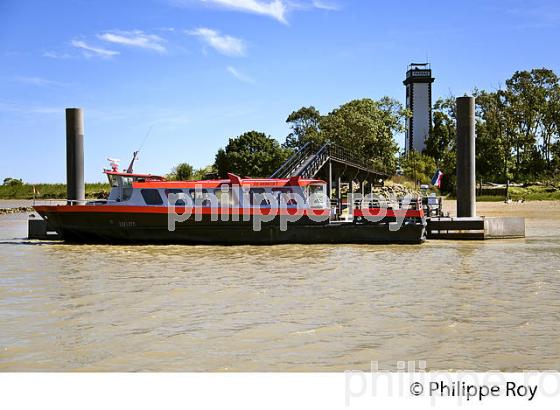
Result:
<point x="240" y="76"/>
<point x="55" y="54"/>
<point x="26" y="109"/>
<point x="275" y="8"/>
<point x="90" y="51"/>
<point x="325" y="5"/>
<point x="38" y="81"/>
<point x="227" y="45"/>
<point x="134" y="38"/>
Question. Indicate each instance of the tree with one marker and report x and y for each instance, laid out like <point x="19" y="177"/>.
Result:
<point x="182" y="172"/>
<point x="251" y="154"/>
<point x="550" y="117"/>
<point x="442" y="138"/>
<point x="531" y="96"/>
<point x="207" y="172"/>
<point x="418" y="167"/>
<point x="12" y="182"/>
<point x="366" y="127"/>
<point x="495" y="135"/>
<point x="305" y="125"/>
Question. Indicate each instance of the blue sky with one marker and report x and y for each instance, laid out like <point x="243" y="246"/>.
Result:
<point x="198" y="72"/>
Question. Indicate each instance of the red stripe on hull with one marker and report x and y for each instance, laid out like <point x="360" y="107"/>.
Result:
<point x="391" y="213"/>
<point x="180" y="210"/>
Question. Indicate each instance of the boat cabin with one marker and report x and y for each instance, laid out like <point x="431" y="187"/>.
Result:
<point x="234" y="192"/>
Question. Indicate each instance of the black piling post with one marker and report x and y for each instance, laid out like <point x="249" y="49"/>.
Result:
<point x="466" y="183"/>
<point x="75" y="187"/>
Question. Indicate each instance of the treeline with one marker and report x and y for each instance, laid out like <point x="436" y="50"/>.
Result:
<point x="517" y="129"/>
<point x="48" y="191"/>
<point x="365" y="126"/>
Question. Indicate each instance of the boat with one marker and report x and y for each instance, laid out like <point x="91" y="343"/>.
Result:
<point x="148" y="209"/>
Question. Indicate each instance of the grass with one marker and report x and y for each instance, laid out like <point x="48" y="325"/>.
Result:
<point x="550" y="192"/>
<point x="529" y="193"/>
<point x="50" y="191"/>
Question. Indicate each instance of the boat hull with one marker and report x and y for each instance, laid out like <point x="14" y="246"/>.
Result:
<point x="152" y="228"/>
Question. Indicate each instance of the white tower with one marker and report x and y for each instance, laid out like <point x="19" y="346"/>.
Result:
<point x="418" y="85"/>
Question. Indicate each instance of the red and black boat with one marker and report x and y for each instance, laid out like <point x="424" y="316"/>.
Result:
<point x="149" y="209"/>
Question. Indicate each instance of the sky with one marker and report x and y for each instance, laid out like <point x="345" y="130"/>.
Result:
<point x="178" y="78"/>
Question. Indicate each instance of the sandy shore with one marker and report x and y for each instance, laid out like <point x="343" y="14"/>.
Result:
<point x="532" y="209"/>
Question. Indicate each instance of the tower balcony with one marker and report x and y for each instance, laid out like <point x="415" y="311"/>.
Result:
<point x="418" y="73"/>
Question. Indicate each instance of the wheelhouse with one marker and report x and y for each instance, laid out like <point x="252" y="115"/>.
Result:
<point x="122" y="184"/>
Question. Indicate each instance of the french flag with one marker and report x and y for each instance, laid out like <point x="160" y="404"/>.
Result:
<point x="436" y="180"/>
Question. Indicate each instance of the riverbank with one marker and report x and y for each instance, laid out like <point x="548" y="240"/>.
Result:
<point x="533" y="210"/>
<point x="16" y="206"/>
<point x="50" y="191"/>
<point x="528" y="193"/>
<point x="16" y="210"/>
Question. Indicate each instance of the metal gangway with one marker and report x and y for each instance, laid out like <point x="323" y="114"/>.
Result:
<point x="310" y="160"/>
<point x="334" y="164"/>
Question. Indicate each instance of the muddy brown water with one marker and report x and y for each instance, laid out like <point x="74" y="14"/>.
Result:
<point x="469" y="305"/>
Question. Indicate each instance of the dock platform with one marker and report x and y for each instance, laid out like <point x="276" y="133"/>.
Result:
<point x="38" y="228"/>
<point x="476" y="228"/>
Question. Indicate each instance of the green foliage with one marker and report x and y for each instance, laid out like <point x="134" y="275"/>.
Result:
<point x="418" y="167"/>
<point x="182" y="172"/>
<point x="448" y="165"/>
<point x="529" y="193"/>
<point x="252" y="154"/>
<point x="12" y="182"/>
<point x="305" y="125"/>
<point x="50" y="191"/>
<point x="367" y="127"/>
<point x="442" y="138"/>
<point x="519" y="126"/>
<point x="517" y="130"/>
<point x="207" y="172"/>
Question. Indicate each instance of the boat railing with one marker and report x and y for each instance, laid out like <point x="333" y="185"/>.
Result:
<point x="71" y="202"/>
<point x="400" y="203"/>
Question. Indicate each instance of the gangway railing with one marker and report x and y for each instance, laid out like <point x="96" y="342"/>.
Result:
<point x="310" y="158"/>
<point x="292" y="163"/>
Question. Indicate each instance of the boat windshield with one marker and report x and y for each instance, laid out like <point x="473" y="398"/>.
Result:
<point x="316" y="194"/>
<point x="121" y="187"/>
<point x="113" y="180"/>
<point x="126" y="188"/>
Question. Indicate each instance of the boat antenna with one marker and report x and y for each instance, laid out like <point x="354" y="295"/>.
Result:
<point x="146" y="137"/>
<point x="135" y="153"/>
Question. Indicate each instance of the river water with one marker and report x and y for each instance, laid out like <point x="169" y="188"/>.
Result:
<point x="492" y="305"/>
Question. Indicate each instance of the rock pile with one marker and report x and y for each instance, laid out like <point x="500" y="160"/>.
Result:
<point x="19" y="209"/>
<point x="395" y="190"/>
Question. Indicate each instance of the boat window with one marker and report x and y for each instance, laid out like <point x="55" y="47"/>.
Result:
<point x="113" y="180"/>
<point x="126" y="188"/>
<point x="151" y="197"/>
<point x="126" y="182"/>
<point x="179" y="202"/>
<point x="317" y="196"/>
<point x="225" y="197"/>
<point x="260" y="197"/>
<point x="202" y="196"/>
<point x="285" y="195"/>
<point x="200" y="192"/>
